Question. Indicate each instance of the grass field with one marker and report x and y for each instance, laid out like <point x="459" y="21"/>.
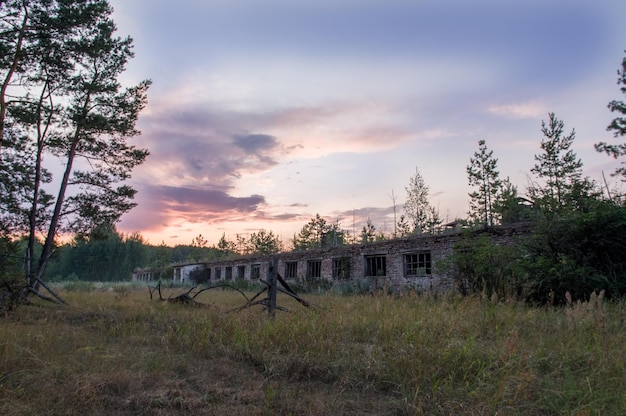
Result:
<point x="116" y="352"/>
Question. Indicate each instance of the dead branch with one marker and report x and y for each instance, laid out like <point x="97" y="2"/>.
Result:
<point x="57" y="299"/>
<point x="289" y="291"/>
<point x="269" y="303"/>
<point x="185" y="299"/>
<point x="221" y="286"/>
<point x="265" y="302"/>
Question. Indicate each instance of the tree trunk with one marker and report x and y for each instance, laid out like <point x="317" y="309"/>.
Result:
<point x="7" y="80"/>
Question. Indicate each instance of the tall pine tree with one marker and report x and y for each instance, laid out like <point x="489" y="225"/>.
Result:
<point x="558" y="169"/>
<point x="618" y="125"/>
<point x="62" y="60"/>
<point x="417" y="207"/>
<point x="483" y="174"/>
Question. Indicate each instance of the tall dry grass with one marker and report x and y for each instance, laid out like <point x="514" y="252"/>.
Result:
<point x="118" y="352"/>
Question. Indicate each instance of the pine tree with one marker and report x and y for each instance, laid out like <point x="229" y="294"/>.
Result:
<point x="61" y="62"/>
<point x="482" y="173"/>
<point x="313" y="234"/>
<point x="510" y="206"/>
<point x="557" y="167"/>
<point x="265" y="242"/>
<point x="368" y="233"/>
<point x="403" y="227"/>
<point x="416" y="207"/>
<point x="618" y="125"/>
<point x="434" y="220"/>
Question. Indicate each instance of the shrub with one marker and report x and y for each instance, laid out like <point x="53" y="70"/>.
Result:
<point x="12" y="282"/>
<point x="580" y="253"/>
<point x="480" y="265"/>
<point x="577" y="252"/>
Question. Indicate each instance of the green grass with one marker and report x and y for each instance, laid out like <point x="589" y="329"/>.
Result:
<point x="118" y="352"/>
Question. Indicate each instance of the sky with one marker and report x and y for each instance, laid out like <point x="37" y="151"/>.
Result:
<point x="263" y="114"/>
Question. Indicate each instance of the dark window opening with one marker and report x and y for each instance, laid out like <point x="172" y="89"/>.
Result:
<point x="376" y="265"/>
<point x="200" y="275"/>
<point x="218" y="273"/>
<point x="341" y="268"/>
<point x="291" y="270"/>
<point x="241" y="272"/>
<point x="255" y="272"/>
<point x="417" y="264"/>
<point x="229" y="273"/>
<point x="314" y="268"/>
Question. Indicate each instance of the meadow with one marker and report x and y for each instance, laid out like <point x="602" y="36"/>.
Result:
<point x="114" y="351"/>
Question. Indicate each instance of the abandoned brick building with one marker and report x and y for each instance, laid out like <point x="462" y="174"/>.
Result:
<point x="396" y="262"/>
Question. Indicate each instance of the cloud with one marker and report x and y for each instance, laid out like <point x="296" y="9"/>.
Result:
<point x="210" y="143"/>
<point x="201" y="156"/>
<point x="253" y="143"/>
<point x="529" y="110"/>
<point x="163" y="206"/>
<point x="190" y="199"/>
<point x="203" y="148"/>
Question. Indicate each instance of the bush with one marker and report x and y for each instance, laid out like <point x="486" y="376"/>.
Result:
<point x="480" y="265"/>
<point x="580" y="253"/>
<point x="12" y="283"/>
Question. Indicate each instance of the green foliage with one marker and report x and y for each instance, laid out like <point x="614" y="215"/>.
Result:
<point x="559" y="171"/>
<point x="199" y="241"/>
<point x="226" y="247"/>
<point x="403" y="229"/>
<point x="11" y="278"/>
<point x="618" y="125"/>
<point x="318" y="233"/>
<point x="420" y="216"/>
<point x="578" y="243"/>
<point x="482" y="173"/>
<point x="511" y="207"/>
<point x="265" y="242"/>
<point x="17" y="184"/>
<point x="183" y="253"/>
<point x="417" y="208"/>
<point x="102" y="256"/>
<point x="580" y="253"/>
<point x="368" y="233"/>
<point x="479" y="265"/>
<point x="62" y="61"/>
